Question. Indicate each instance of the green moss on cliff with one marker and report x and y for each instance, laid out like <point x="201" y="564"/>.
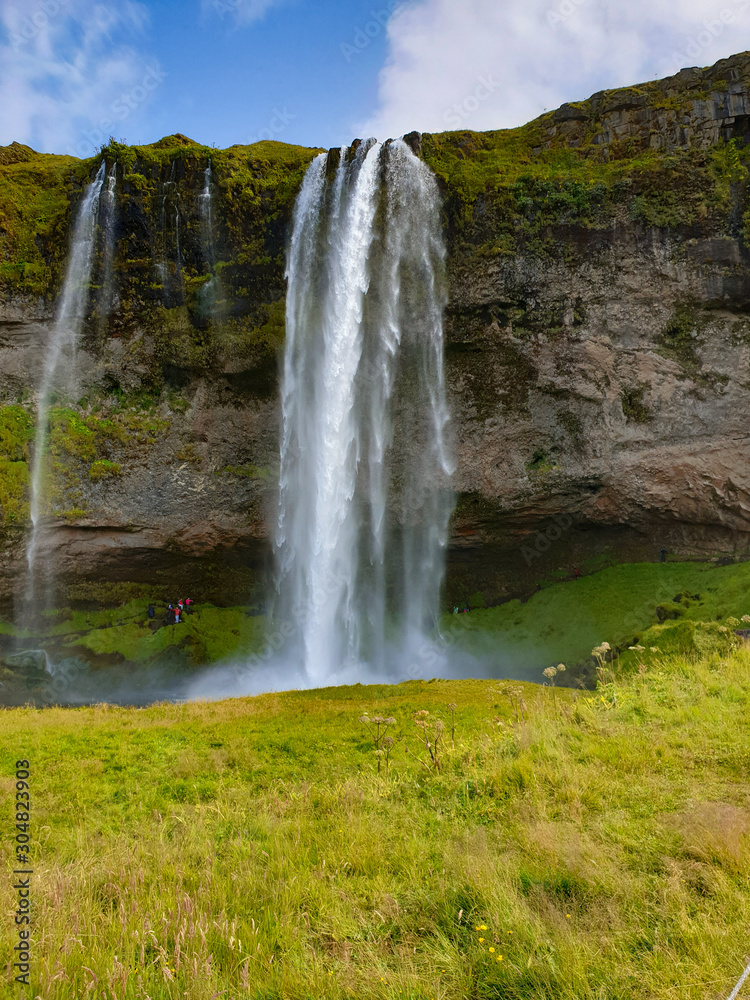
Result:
<point x="528" y="189"/>
<point x="90" y="447"/>
<point x="103" y="469"/>
<point x="207" y="635"/>
<point x="580" y="166"/>
<point x="16" y="429"/>
<point x="564" y="621"/>
<point x="36" y="195"/>
<point x="633" y="406"/>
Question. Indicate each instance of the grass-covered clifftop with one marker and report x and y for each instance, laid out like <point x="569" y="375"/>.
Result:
<point x="590" y="844"/>
<point x="39" y="194"/>
<point x="668" y="153"/>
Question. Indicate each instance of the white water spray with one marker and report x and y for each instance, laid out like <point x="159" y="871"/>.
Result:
<point x="59" y="374"/>
<point x="365" y="471"/>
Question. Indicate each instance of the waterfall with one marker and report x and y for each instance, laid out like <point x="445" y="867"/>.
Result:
<point x="170" y="275"/>
<point x="365" y="469"/>
<point x="209" y="295"/>
<point x="107" y="207"/>
<point x="59" y="372"/>
<point x="208" y="230"/>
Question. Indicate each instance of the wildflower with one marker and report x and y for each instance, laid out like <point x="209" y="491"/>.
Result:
<point x="491" y="949"/>
<point x="499" y="958"/>
<point x="561" y="668"/>
<point x="481" y="940"/>
<point x="567" y="915"/>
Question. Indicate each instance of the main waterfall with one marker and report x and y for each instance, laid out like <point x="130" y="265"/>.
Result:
<point x="365" y="467"/>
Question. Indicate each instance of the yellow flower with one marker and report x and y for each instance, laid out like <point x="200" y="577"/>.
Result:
<point x="481" y="940"/>
<point x="499" y="958"/>
<point x="492" y="949"/>
<point x="567" y="915"/>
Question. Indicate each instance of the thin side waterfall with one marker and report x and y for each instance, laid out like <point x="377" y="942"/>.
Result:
<point x="208" y="228"/>
<point x="209" y="296"/>
<point x="107" y="217"/>
<point x="365" y="493"/>
<point x="59" y="374"/>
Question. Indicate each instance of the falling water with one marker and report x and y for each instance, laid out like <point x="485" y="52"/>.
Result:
<point x="209" y="295"/>
<point x="365" y="470"/>
<point x="208" y="229"/>
<point x="59" y="373"/>
<point x="107" y="207"/>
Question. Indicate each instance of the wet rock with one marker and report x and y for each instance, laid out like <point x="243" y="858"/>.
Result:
<point x="29" y="661"/>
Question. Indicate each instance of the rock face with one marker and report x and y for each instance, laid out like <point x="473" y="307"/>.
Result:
<point x="598" y="348"/>
<point x="598" y="413"/>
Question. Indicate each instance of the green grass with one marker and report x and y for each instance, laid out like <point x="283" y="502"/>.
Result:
<point x="598" y="842"/>
<point x="564" y="621"/>
<point x="561" y="623"/>
<point x="16" y="430"/>
<point x="206" y="635"/>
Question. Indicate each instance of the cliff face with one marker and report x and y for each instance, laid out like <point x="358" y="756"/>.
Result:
<point x="598" y="346"/>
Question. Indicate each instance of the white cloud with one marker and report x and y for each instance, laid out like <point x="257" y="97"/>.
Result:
<point x="70" y="72"/>
<point x="485" y="64"/>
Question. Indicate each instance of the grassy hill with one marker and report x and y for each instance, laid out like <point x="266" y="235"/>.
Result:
<point x="569" y="845"/>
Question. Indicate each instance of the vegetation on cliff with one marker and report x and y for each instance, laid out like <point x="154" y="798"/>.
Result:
<point x="656" y="153"/>
<point x="15" y="433"/>
<point x="594" y="844"/>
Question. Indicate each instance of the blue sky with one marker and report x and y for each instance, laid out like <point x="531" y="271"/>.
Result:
<point x="322" y="72"/>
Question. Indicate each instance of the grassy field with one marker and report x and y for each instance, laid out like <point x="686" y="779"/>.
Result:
<point x="564" y="621"/>
<point x="570" y="844"/>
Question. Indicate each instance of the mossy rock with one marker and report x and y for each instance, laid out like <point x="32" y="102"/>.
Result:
<point x="680" y="638"/>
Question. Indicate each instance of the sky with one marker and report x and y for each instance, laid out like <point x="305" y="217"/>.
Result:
<point x="323" y="72"/>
